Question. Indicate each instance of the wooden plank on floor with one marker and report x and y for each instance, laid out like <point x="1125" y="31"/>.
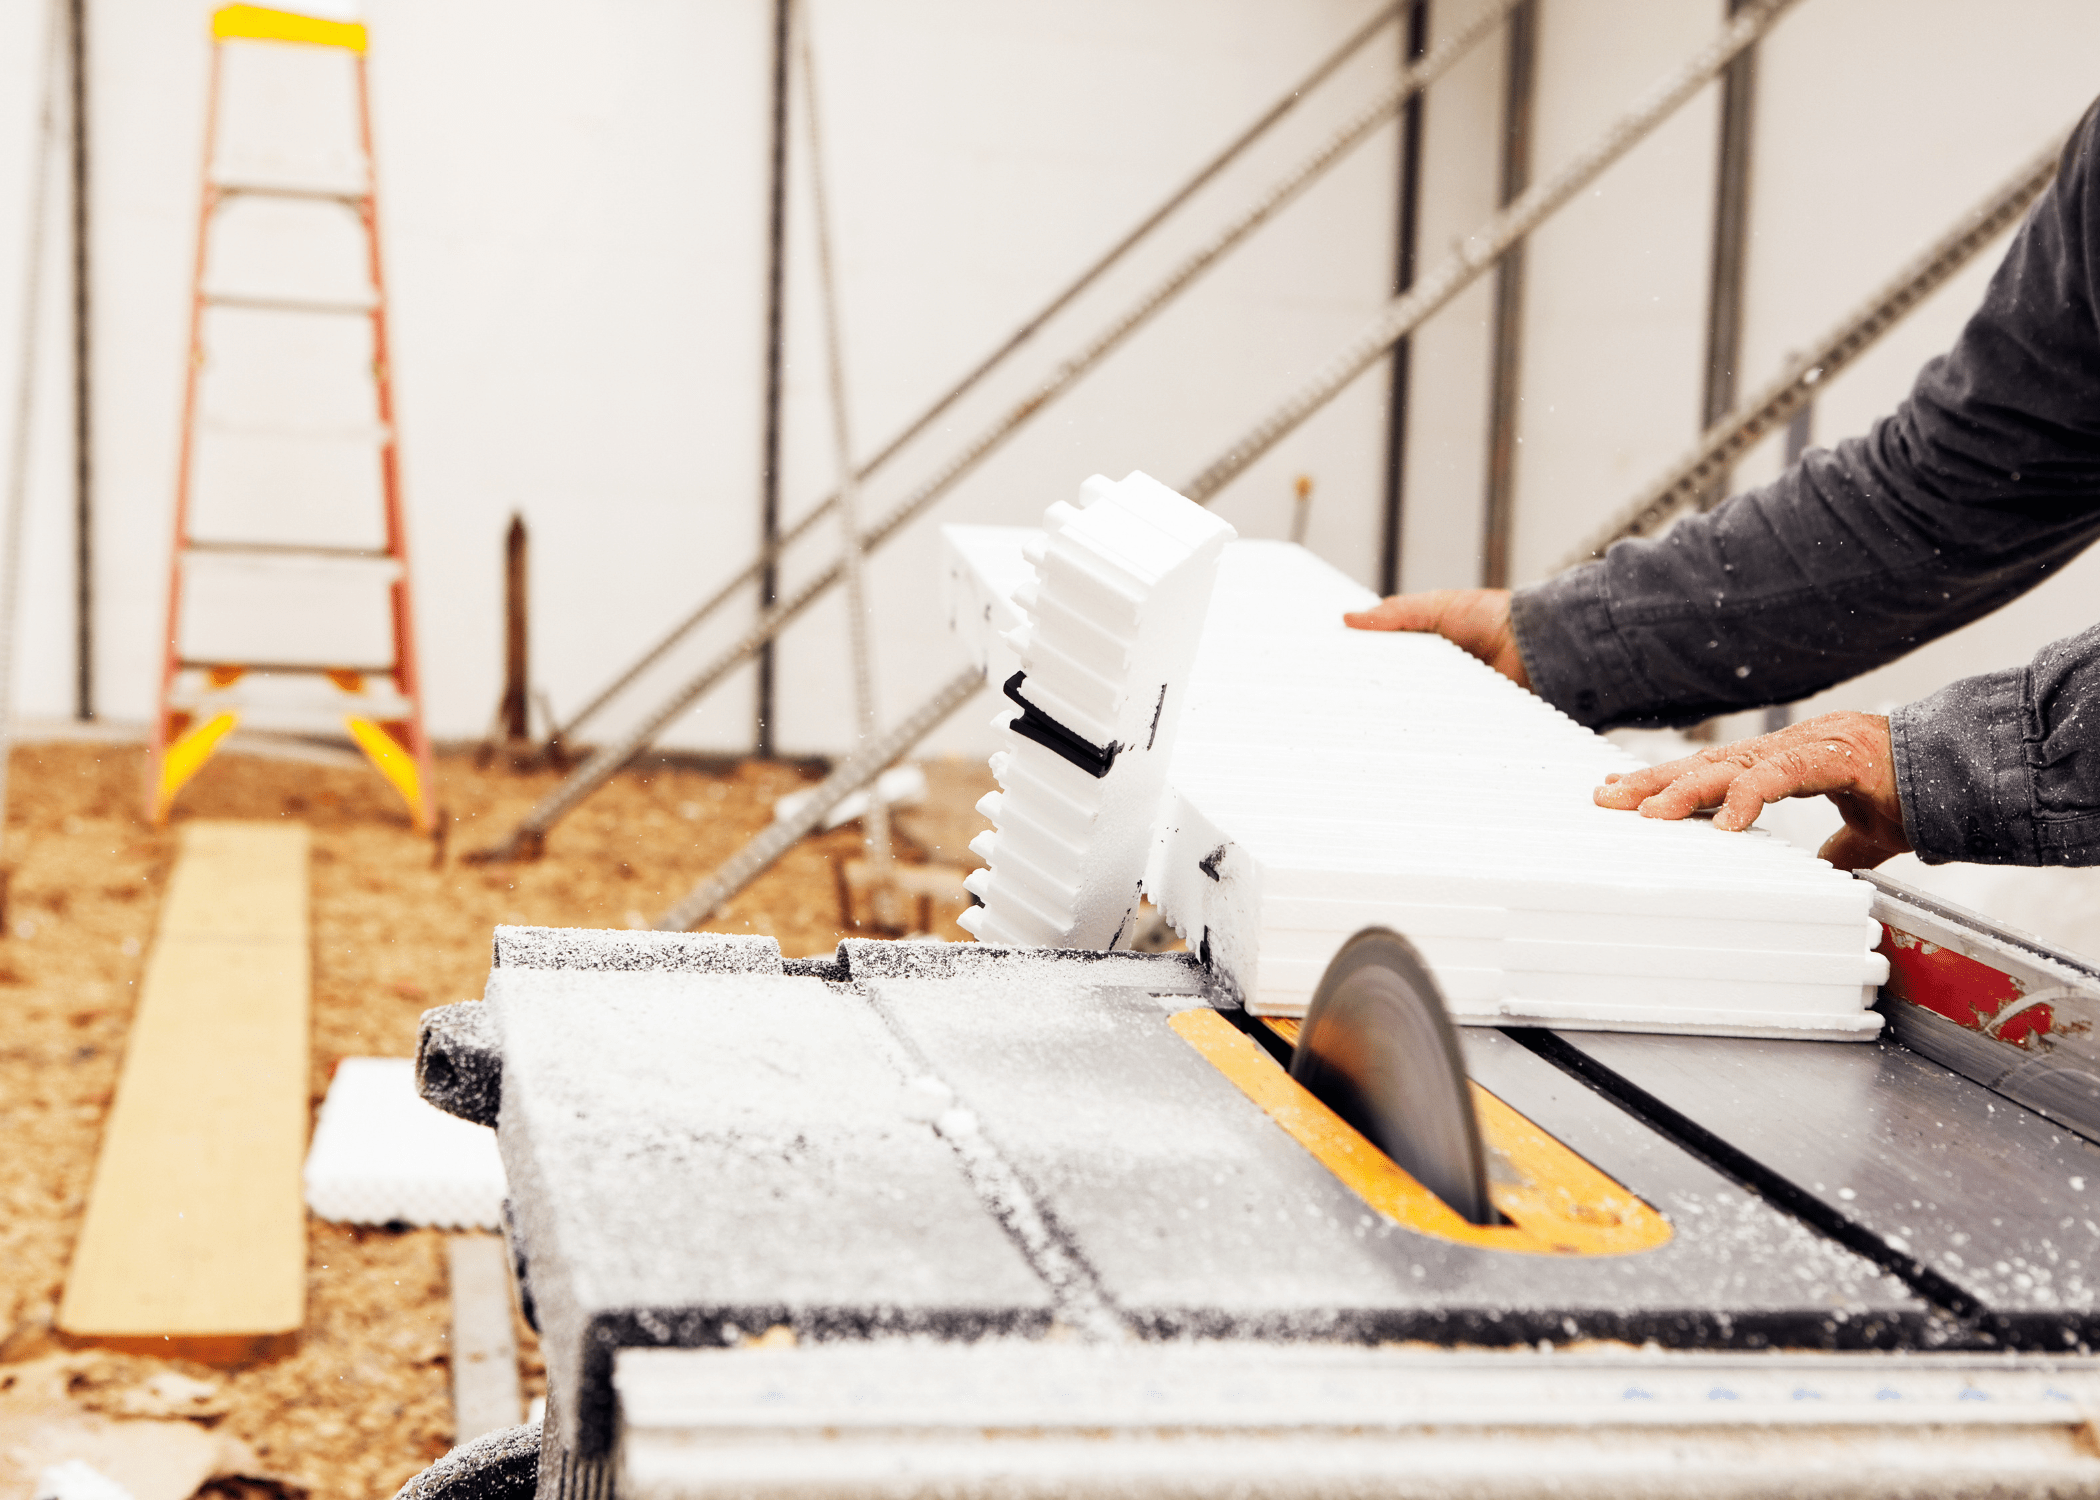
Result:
<point x="485" y="1396"/>
<point x="194" y="1242"/>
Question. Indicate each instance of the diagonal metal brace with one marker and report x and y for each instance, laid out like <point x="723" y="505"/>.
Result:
<point x="760" y="855"/>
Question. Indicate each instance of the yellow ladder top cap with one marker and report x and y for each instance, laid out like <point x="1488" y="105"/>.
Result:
<point x="261" y="24"/>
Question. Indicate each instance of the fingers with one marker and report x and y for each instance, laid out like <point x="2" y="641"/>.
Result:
<point x="1401" y="612"/>
<point x="1794" y="771"/>
<point x="1708" y="772"/>
<point x="1474" y="620"/>
<point x="1843" y="756"/>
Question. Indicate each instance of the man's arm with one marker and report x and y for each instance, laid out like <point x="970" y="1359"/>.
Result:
<point x="1981" y="485"/>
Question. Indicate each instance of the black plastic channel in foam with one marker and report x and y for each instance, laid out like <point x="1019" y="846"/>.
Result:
<point x="1036" y="725"/>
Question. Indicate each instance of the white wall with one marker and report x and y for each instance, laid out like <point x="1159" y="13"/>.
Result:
<point x="574" y="203"/>
<point x="574" y="222"/>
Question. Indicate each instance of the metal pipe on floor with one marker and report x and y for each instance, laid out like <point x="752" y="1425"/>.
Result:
<point x="1479" y="253"/>
<point x="763" y="567"/>
<point x="524" y="841"/>
<point x="1692" y="480"/>
<point x="869" y="762"/>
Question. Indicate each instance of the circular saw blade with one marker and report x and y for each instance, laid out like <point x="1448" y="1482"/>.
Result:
<point x="1377" y="1047"/>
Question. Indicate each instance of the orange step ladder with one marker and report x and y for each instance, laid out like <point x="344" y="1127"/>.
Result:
<point x="327" y="633"/>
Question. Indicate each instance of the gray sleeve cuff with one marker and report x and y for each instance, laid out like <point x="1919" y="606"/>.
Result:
<point x="2004" y="769"/>
<point x="1575" y="657"/>
<point x="1962" y="773"/>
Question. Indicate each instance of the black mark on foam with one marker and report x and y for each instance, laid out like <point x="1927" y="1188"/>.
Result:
<point x="1149" y="738"/>
<point x="1210" y="862"/>
<point x="1036" y="725"/>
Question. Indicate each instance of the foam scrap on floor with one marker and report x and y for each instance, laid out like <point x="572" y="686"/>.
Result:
<point x="381" y="1155"/>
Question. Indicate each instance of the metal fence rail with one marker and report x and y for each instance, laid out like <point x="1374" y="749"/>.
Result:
<point x="1694" y="481"/>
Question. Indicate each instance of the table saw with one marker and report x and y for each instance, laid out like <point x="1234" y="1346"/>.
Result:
<point x="920" y="1219"/>
<point x="1743" y="1177"/>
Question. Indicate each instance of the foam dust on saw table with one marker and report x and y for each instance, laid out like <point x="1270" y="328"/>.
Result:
<point x="194" y="1242"/>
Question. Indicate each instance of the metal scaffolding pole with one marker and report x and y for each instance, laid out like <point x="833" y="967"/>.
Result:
<point x="1694" y="480"/>
<point x="1731" y="242"/>
<point x="525" y="840"/>
<point x="1479" y="252"/>
<point x="1505" y="385"/>
<point x="83" y="382"/>
<point x="1392" y="537"/>
<point x="776" y="359"/>
<point x="762" y="566"/>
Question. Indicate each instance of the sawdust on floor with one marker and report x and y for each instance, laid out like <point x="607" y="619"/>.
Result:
<point x="365" y="1401"/>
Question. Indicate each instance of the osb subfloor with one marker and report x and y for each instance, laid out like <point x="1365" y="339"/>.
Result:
<point x="365" y="1402"/>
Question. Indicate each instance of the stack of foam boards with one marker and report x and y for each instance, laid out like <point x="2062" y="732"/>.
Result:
<point x="1326" y="780"/>
<point x="1112" y="610"/>
<point x="1331" y="779"/>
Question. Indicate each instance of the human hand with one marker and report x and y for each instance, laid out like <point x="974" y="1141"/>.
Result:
<point x="1843" y="756"/>
<point x="1475" y="620"/>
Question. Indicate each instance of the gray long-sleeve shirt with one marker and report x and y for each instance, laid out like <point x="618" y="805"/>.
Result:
<point x="1981" y="485"/>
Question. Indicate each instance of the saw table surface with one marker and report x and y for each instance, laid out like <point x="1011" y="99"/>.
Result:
<point x="1983" y="1204"/>
<point x="1197" y="1215"/>
<point x="926" y="1146"/>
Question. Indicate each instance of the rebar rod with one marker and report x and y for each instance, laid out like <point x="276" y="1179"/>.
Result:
<point x="869" y="762"/>
<point x="1480" y="251"/>
<point x="17" y="499"/>
<point x="1015" y="341"/>
<point x="524" y="841"/>
<point x="875" y="822"/>
<point x="1693" y="480"/>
